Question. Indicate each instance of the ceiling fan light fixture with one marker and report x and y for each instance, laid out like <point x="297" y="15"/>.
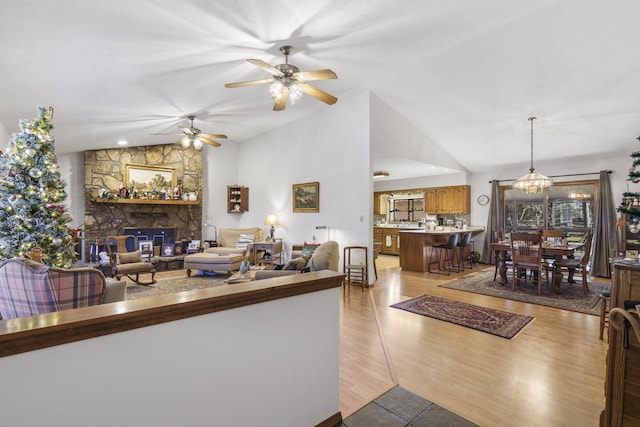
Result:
<point x="295" y="94"/>
<point x="185" y="141"/>
<point x="197" y="144"/>
<point x="532" y="182"/>
<point x="275" y="89"/>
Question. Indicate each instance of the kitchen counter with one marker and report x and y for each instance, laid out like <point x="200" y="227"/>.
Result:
<point x="416" y="247"/>
<point x="399" y="227"/>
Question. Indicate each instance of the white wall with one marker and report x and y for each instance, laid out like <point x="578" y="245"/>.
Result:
<point x="269" y="364"/>
<point x="394" y="136"/>
<point x="459" y="178"/>
<point x="4" y="136"/>
<point x="331" y="147"/>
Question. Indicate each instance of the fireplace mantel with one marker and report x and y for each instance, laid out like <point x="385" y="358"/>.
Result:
<point x="150" y="202"/>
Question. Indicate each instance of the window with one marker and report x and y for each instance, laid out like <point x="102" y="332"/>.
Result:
<point x="564" y="206"/>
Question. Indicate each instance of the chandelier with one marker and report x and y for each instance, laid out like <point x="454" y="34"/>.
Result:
<point x="532" y="182"/>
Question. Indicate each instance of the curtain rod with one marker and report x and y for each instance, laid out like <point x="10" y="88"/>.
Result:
<point x="557" y="176"/>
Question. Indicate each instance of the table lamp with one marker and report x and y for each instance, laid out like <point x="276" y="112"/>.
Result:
<point x="271" y="220"/>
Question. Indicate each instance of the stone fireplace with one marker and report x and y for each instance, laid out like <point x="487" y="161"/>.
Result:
<point x="104" y="170"/>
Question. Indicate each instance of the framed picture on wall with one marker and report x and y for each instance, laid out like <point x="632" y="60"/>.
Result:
<point x="306" y="197"/>
<point x="147" y="178"/>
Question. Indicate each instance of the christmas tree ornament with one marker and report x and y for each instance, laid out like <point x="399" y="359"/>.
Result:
<point x="30" y="152"/>
<point x="57" y="241"/>
<point x="35" y="173"/>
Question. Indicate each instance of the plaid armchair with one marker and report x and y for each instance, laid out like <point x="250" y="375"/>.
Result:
<point x="28" y="288"/>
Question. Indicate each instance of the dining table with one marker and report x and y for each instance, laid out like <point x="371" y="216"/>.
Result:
<point x="549" y="249"/>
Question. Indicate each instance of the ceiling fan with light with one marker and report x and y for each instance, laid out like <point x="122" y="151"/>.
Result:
<point x="289" y="82"/>
<point x="191" y="135"/>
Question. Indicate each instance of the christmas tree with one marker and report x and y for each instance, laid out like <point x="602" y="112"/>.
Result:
<point x="631" y="200"/>
<point x="32" y="213"/>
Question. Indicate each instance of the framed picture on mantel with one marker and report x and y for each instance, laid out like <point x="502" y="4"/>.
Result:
<point x="148" y="178"/>
<point x="306" y="197"/>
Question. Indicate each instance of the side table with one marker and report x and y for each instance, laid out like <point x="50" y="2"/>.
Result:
<point x="274" y="248"/>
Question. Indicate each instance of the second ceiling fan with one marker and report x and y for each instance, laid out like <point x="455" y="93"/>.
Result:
<point x="192" y="135"/>
<point x="289" y="82"/>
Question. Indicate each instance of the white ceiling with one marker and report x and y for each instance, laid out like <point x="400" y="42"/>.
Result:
<point x="466" y="73"/>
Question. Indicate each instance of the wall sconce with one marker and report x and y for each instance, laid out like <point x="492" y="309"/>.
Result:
<point x="271" y="220"/>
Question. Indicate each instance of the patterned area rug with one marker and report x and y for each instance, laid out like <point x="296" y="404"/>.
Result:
<point x="175" y="284"/>
<point x="496" y="322"/>
<point x="571" y="296"/>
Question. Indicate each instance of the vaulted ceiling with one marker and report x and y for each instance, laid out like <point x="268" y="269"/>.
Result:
<point x="466" y="73"/>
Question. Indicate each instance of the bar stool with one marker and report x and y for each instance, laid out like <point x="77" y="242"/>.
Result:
<point x="464" y="246"/>
<point x="356" y="273"/>
<point x="445" y="252"/>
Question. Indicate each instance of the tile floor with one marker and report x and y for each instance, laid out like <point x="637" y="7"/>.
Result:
<point x="400" y="407"/>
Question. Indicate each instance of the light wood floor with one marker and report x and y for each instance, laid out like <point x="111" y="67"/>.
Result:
<point x="551" y="374"/>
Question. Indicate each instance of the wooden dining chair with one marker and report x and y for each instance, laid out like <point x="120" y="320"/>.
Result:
<point x="580" y="265"/>
<point x="526" y="253"/>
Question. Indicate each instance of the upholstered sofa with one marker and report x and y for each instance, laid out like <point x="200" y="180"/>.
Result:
<point x="324" y="257"/>
<point x="236" y="241"/>
<point x="28" y="288"/>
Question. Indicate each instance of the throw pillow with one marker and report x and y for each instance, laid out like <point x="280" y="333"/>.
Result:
<point x="244" y="240"/>
<point x="129" y="257"/>
<point x="297" y="263"/>
<point x="308" y="248"/>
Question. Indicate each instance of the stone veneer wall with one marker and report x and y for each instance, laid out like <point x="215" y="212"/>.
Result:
<point x="106" y="169"/>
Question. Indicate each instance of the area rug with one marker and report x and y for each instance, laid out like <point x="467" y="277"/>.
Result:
<point x="174" y="284"/>
<point x="496" y="322"/>
<point x="571" y="296"/>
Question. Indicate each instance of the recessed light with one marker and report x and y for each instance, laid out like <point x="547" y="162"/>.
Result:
<point x="380" y="174"/>
<point x="122" y="142"/>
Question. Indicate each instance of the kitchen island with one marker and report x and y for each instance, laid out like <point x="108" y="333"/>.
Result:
<point x="416" y="247"/>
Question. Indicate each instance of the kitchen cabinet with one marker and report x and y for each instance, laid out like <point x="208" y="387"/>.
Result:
<point x="376" y="204"/>
<point x="430" y="201"/>
<point x="448" y="200"/>
<point x="377" y="235"/>
<point x="390" y="241"/>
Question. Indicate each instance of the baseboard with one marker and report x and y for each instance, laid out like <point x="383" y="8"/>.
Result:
<point x="331" y="421"/>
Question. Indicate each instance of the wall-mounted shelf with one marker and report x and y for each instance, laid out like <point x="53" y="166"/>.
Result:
<point x="149" y="202"/>
<point x="237" y="199"/>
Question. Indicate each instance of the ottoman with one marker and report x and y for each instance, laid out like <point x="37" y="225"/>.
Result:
<point x="212" y="262"/>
